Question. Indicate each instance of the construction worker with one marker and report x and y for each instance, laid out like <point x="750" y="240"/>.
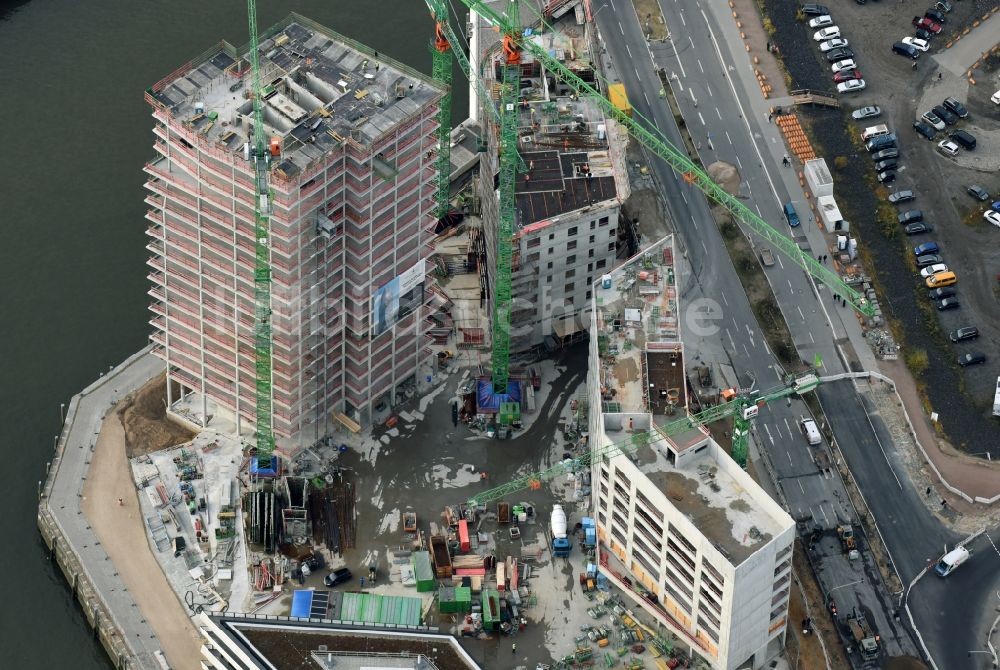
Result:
<point x="121" y="502"/>
<point x="513" y="648"/>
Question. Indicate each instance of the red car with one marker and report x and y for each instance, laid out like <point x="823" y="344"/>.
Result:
<point x="847" y="75"/>
<point x="926" y="24"/>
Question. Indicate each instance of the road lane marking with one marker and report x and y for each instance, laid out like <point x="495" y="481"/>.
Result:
<point x="681" y="14"/>
<point x="636" y="70"/>
<point x="724" y="300"/>
<point x="703" y="246"/>
<point x="628" y="50"/>
<point x="768" y="431"/>
<point x="789" y="428"/>
<point x="800" y="487"/>
<point x="720" y="115"/>
<point x="790" y="286"/>
<point x="789" y="457"/>
<point x="825" y="517"/>
<point x="647" y="99"/>
<point x="779" y="262"/>
<point x="684" y="198"/>
<point x="746" y="350"/>
<point x="811" y="338"/>
<point x="738" y="161"/>
<point x="701" y="67"/>
<point x="728" y="137"/>
<point x="701" y="118"/>
<point x="620" y="28"/>
<point x="613" y="5"/>
<point x="691" y="41"/>
<point x="709" y="89"/>
<point x="731" y="341"/>
<point x="800" y="312"/>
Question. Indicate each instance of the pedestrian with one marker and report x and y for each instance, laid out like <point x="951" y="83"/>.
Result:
<point x="513" y="648"/>
<point x="825" y="257"/>
<point x="770" y="117"/>
<point x="914" y="65"/>
<point x="121" y="502"/>
<point x="939" y="76"/>
<point x="362" y="582"/>
<point x="928" y="492"/>
<point x="819" y="259"/>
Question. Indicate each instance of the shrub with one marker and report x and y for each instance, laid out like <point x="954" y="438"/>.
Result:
<point x="840" y="163"/>
<point x="916" y="361"/>
<point x="769" y="26"/>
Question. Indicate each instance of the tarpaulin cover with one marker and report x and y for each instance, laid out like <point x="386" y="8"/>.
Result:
<point x="488" y="402"/>
<point x="271" y="471"/>
<point x="302" y="603"/>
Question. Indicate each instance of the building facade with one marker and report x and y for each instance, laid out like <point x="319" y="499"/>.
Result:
<point x="681" y="527"/>
<point x="352" y="217"/>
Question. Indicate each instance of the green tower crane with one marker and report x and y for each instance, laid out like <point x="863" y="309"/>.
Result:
<point x="262" y="264"/>
<point x="743" y="406"/>
<point x="441" y="70"/>
<point x="509" y="90"/>
<point x="654" y="140"/>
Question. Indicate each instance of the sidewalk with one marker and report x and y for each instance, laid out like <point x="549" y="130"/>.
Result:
<point x="974" y="477"/>
<point x="971" y="47"/>
<point x="122" y="533"/>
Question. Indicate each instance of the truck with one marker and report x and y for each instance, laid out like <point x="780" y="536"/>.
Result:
<point x="847" y="540"/>
<point x="503" y="512"/>
<point x="951" y="560"/>
<point x="560" y="542"/>
<point x="865" y="639"/>
<point x="441" y="556"/>
<point x="618" y="98"/>
<point x="996" y="399"/>
<point x="409" y="522"/>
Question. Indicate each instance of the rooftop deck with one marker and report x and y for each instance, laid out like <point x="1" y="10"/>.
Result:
<point x="320" y="88"/>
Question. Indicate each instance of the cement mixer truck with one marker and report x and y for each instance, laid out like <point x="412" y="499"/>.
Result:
<point x="560" y="541"/>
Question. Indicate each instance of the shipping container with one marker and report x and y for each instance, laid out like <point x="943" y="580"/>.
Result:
<point x="422" y="571"/>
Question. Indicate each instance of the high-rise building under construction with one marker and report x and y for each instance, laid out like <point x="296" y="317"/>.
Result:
<point x="352" y="214"/>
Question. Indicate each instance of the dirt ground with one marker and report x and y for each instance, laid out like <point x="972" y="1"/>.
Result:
<point x="804" y="651"/>
<point x="808" y="592"/>
<point x="897" y="89"/>
<point x="147" y="427"/>
<point x="651" y="19"/>
<point x="122" y="533"/>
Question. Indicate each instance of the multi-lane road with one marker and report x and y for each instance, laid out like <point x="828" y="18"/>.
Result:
<point x="728" y="118"/>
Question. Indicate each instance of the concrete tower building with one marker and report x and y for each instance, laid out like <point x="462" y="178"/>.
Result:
<point x="352" y="205"/>
<point x="570" y="187"/>
<point x="711" y="551"/>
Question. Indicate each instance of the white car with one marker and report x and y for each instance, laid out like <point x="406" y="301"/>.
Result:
<point x="995" y="98"/>
<point x="843" y="65"/>
<point x="992" y="217"/>
<point x="821" y="21"/>
<point x="933" y="269"/>
<point x="852" y="86"/>
<point x="916" y="43"/>
<point x="948" y="147"/>
<point x="932" y="119"/>
<point x="838" y="42"/>
<point x="827" y="34"/>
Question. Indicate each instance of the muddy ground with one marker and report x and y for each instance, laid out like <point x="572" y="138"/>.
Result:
<point x="959" y="396"/>
<point x="147" y="427"/>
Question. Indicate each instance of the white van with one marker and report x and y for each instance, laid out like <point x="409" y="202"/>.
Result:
<point x="951" y="560"/>
<point x="811" y="431"/>
<point x="874" y="131"/>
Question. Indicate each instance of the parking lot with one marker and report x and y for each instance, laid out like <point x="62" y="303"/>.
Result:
<point x="968" y="243"/>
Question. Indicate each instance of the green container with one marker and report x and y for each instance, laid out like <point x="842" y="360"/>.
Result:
<point x="422" y="570"/>
<point x="447" y="602"/>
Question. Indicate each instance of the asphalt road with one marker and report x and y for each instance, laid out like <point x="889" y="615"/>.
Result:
<point x="711" y="75"/>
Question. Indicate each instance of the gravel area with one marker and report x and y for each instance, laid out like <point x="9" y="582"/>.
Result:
<point x="963" y="398"/>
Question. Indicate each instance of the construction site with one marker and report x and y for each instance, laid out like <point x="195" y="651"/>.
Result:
<point x="367" y="432"/>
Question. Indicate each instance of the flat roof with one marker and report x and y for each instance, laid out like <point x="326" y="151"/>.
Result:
<point x="319" y="88"/>
<point x="638" y="334"/>
<point x="724" y="510"/>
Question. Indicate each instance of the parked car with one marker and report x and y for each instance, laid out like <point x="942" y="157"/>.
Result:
<point x="964" y="333"/>
<point x="891" y="152"/>
<point x="821" y="21"/>
<point x="995" y="98"/>
<point x="977" y="192"/>
<point x="852" y="86"/>
<point x="995" y="206"/>
<point x="886" y="177"/>
<point x="922" y="34"/>
<point x="940" y="279"/>
<point x="814" y="10"/>
<point x="926" y="248"/>
<point x="827" y="34"/>
<point x="929" y="259"/>
<point x="924" y="23"/>
<point x="917" y="43"/>
<point x="947" y="303"/>
<point x="338" y="576"/>
<point x="835" y="43"/>
<point x="945" y="114"/>
<point x="910" y="216"/>
<point x="931" y="119"/>
<point x="993" y="217"/>
<point x="918" y="228"/>
<point x="880" y="142"/>
<point x="847" y="75"/>
<point x="941" y="293"/>
<point x="974" y="358"/>
<point x="948" y="147"/>
<point x="933" y="270"/>
<point x="957" y="107"/>
<point x="867" y="112"/>
<point x="965" y="138"/>
<point x="935" y="16"/>
<point x="838" y="53"/>
<point x="844" y="66"/>
<point x="901" y="196"/>
<point x="887" y="164"/>
<point x="924" y="129"/>
<point x="904" y="49"/>
<point x="943" y="5"/>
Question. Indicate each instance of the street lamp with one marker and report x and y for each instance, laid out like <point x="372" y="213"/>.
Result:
<point x="599" y="10"/>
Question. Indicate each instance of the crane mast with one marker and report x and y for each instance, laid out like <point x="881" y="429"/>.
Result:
<point x="441" y="70"/>
<point x="262" y="263"/>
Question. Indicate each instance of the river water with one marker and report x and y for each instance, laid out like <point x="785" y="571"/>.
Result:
<point x="76" y="133"/>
